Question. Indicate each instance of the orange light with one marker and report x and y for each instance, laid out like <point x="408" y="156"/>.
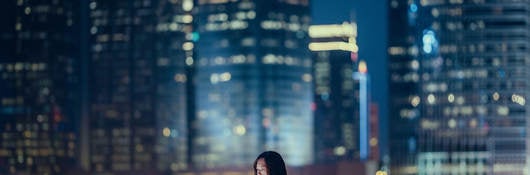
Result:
<point x="362" y="67"/>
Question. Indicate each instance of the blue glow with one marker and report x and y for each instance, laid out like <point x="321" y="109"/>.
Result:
<point x="413" y="8"/>
<point x="430" y="43"/>
<point x="363" y="115"/>
<point x="324" y="96"/>
<point x="195" y="36"/>
<point x="501" y="73"/>
<point x="412" y="145"/>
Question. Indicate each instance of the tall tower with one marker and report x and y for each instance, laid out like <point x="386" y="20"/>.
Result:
<point x="141" y="53"/>
<point x="39" y="68"/>
<point x="336" y="95"/>
<point x="253" y="82"/>
<point x="474" y="84"/>
<point x="404" y="77"/>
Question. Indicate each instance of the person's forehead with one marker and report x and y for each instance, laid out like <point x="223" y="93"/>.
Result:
<point x="261" y="162"/>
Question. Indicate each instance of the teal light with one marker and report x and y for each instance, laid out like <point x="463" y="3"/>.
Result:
<point x="195" y="36"/>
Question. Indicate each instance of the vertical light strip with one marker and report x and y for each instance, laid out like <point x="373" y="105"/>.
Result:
<point x="363" y="114"/>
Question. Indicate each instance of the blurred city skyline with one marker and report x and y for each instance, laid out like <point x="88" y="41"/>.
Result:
<point x="203" y="86"/>
<point x="144" y="90"/>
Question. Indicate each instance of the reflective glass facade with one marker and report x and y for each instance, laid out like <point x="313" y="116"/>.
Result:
<point x="469" y="86"/>
<point x="336" y="93"/>
<point x="253" y="82"/>
<point x="141" y="55"/>
<point x="404" y="77"/>
<point x="39" y="76"/>
<point x="474" y="83"/>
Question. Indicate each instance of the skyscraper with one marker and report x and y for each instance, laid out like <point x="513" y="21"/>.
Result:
<point x="471" y="85"/>
<point x="336" y="93"/>
<point x="141" y="55"/>
<point x="39" y="72"/>
<point x="474" y="85"/>
<point x="404" y="77"/>
<point x="253" y="82"/>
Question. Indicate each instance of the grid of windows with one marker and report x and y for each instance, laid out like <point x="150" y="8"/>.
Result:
<point x="473" y="86"/>
<point x="251" y="90"/>
<point x="39" y="74"/>
<point x="141" y="59"/>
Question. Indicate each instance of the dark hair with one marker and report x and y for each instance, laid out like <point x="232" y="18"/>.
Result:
<point x="274" y="161"/>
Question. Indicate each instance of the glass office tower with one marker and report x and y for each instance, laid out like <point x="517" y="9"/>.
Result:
<point x="336" y="93"/>
<point x="39" y="76"/>
<point x="141" y="54"/>
<point x="474" y="83"/>
<point x="404" y="77"/>
<point x="253" y="82"/>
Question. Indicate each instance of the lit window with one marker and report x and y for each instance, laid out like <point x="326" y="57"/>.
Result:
<point x="431" y="99"/>
<point x="180" y="78"/>
<point x="415" y="101"/>
<point x="307" y="77"/>
<point x="503" y="110"/>
<point x="518" y="99"/>
<point x="187" y="5"/>
<point x="189" y="61"/>
<point x="187" y="46"/>
<point x="451" y="98"/>
<point x="93" y="5"/>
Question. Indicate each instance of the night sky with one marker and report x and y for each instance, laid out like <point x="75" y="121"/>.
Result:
<point x="371" y="18"/>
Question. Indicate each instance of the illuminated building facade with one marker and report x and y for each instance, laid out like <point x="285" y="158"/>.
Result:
<point x="474" y="86"/>
<point x="141" y="58"/>
<point x="39" y="73"/>
<point x="253" y="82"/>
<point x="404" y="78"/>
<point x="374" y="151"/>
<point x="336" y="97"/>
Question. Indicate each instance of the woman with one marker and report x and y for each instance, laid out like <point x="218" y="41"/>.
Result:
<point x="269" y="163"/>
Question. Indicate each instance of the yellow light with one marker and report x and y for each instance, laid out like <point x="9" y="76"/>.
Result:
<point x="187" y="46"/>
<point x="415" y="101"/>
<point x="326" y="46"/>
<point x="373" y="142"/>
<point x="496" y="96"/>
<point x="225" y="76"/>
<point x="180" y="78"/>
<point x="452" y="123"/>
<point x="187" y="18"/>
<point x="307" y="77"/>
<point x="451" y="98"/>
<point x="187" y="5"/>
<point x="380" y="173"/>
<point x="240" y="130"/>
<point x="431" y="99"/>
<point x="326" y="31"/>
<point x="362" y="67"/>
<point x="518" y="99"/>
<point x="166" y="132"/>
<point x="340" y="151"/>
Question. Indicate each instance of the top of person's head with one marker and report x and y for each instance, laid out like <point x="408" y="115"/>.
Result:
<point x="274" y="161"/>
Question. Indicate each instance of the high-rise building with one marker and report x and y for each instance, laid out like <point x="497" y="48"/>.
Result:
<point x="468" y="62"/>
<point x="336" y="93"/>
<point x="141" y="55"/>
<point x="253" y="82"/>
<point x="39" y="76"/>
<point x="474" y="84"/>
<point x="374" y="151"/>
<point x="404" y="77"/>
